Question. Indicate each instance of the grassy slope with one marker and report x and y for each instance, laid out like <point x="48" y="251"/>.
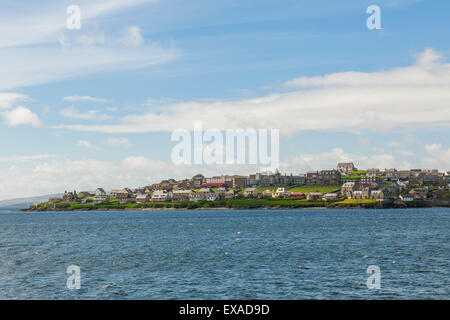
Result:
<point x="234" y="203"/>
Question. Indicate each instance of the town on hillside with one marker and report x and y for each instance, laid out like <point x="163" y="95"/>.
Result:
<point x="344" y="184"/>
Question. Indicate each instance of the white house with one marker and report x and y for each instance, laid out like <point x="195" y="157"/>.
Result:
<point x="406" y="198"/>
<point x="250" y="192"/>
<point x="378" y="194"/>
<point x="229" y="194"/>
<point x="180" y="195"/>
<point x="142" y="198"/>
<point x="221" y="192"/>
<point x="100" y="192"/>
<point x="329" y="196"/>
<point x="212" y="196"/>
<point x="100" y="199"/>
<point x="281" y="193"/>
<point x="160" y="196"/>
<point x="346" y="167"/>
<point x="347" y="189"/>
<point x="314" y="196"/>
<point x="197" y="196"/>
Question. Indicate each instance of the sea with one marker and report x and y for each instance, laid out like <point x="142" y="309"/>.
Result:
<point x="226" y="254"/>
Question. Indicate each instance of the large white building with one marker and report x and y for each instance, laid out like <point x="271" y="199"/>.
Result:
<point x="160" y="196"/>
<point x="346" y="167"/>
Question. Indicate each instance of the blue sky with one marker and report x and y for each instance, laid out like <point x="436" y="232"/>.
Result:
<point x="96" y="106"/>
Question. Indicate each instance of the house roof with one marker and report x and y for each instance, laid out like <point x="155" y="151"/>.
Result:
<point x="104" y="196"/>
<point x="160" y="193"/>
<point x="181" y="191"/>
<point x="345" y="164"/>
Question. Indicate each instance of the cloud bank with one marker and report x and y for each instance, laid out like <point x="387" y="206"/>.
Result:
<point x="16" y="115"/>
<point x="137" y="171"/>
<point x="406" y="97"/>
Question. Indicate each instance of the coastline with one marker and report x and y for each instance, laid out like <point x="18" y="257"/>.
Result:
<point x="233" y="208"/>
<point x="176" y="209"/>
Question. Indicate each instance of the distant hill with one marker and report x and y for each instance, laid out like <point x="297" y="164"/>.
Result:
<point x="22" y="203"/>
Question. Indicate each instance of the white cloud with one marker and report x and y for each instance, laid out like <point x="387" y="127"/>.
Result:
<point x="81" y="175"/>
<point x="428" y="71"/>
<point x="409" y="139"/>
<point x="90" y="39"/>
<point x="73" y="113"/>
<point x="119" y="142"/>
<point x="51" y="52"/>
<point x="432" y="148"/>
<point x="132" y="37"/>
<point x="404" y="153"/>
<point x="21" y="116"/>
<point x="137" y="171"/>
<point x="49" y="19"/>
<point x="23" y="66"/>
<point x="343" y="101"/>
<point x="394" y="144"/>
<point x="7" y="100"/>
<point x="86" y="144"/>
<point x="84" y="98"/>
<point x="88" y="175"/>
<point x="328" y="160"/>
<point x="28" y="158"/>
<point x="437" y="156"/>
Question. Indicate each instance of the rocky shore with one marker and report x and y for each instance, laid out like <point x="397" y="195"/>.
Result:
<point x="255" y="205"/>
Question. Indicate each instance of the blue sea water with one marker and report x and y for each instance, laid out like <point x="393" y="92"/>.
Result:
<point x="226" y="254"/>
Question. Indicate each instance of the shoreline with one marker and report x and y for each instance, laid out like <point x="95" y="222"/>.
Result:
<point x="225" y="208"/>
<point x="170" y="209"/>
<point x="238" y="204"/>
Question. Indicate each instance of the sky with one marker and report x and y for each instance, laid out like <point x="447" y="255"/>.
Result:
<point x="96" y="106"/>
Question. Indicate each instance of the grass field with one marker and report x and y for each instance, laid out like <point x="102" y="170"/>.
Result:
<point x="358" y="172"/>
<point x="356" y="201"/>
<point x="233" y="203"/>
